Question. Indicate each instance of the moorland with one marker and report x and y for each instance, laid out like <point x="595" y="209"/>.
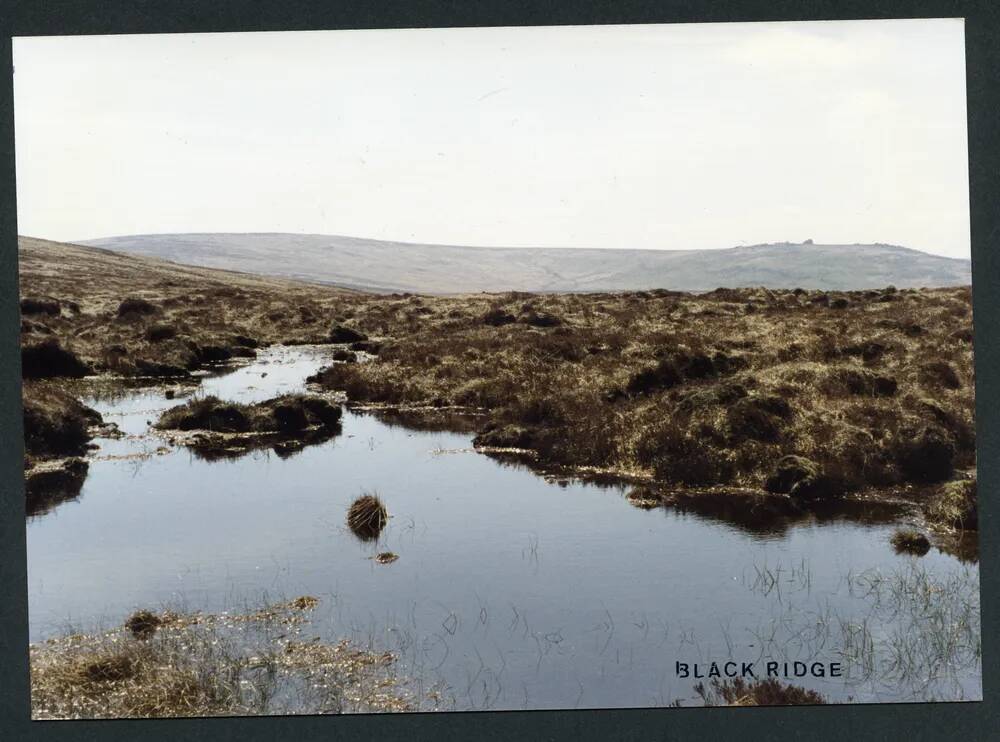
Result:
<point x="771" y="401"/>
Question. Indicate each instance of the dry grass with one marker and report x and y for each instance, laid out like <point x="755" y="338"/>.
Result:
<point x="288" y="413"/>
<point x="210" y="665"/>
<point x="367" y="517"/>
<point x="214" y="428"/>
<point x="870" y="395"/>
<point x="55" y="423"/>
<point x="137" y="317"/>
<point x="57" y="431"/>
<point x="761" y="692"/>
<point x="908" y="541"/>
<point x="955" y="505"/>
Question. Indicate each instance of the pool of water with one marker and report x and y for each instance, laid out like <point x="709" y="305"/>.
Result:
<point x="510" y="591"/>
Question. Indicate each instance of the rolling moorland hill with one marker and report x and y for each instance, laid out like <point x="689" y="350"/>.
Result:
<point x="448" y="269"/>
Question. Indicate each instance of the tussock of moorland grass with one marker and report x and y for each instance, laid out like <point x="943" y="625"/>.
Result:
<point x="31" y="305"/>
<point x="955" y="505"/>
<point x="48" y="359"/>
<point x="759" y="692"/>
<point x="873" y="395"/>
<point x="143" y="624"/>
<point x="57" y="430"/>
<point x="367" y="516"/>
<point x="288" y="413"/>
<point x="211" y="665"/>
<point x="136" y="305"/>
<point x="55" y="422"/>
<point x="220" y="429"/>
<point x="908" y="541"/>
<point x="343" y="334"/>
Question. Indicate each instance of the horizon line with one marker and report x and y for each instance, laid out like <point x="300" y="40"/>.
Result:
<point x="803" y="243"/>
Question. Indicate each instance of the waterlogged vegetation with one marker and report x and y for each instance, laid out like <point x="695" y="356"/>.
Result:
<point x="752" y="475"/>
<point x="171" y="664"/>
<point x="218" y="429"/>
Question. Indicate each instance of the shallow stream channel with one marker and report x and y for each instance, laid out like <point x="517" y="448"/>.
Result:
<point x="511" y="590"/>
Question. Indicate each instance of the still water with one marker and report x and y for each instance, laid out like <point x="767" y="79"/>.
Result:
<point x="510" y="591"/>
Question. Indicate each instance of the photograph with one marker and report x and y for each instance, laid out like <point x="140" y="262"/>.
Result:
<point x="497" y="368"/>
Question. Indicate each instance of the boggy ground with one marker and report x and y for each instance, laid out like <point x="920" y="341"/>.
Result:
<point x="809" y="395"/>
<point x="171" y="664"/>
<point x="88" y="311"/>
<point x="804" y="397"/>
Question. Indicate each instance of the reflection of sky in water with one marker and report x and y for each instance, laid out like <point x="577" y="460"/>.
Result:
<point x="508" y="587"/>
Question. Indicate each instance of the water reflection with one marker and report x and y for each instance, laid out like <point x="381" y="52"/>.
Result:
<point x="47" y="488"/>
<point x="232" y="448"/>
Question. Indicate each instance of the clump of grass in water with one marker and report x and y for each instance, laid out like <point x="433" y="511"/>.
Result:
<point x="143" y="624"/>
<point x="367" y="517"/>
<point x="907" y="541"/>
<point x="211" y="665"/>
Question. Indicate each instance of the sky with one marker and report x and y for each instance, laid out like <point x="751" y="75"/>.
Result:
<point x="645" y="136"/>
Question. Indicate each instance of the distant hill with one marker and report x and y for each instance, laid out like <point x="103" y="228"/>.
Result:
<point x="97" y="278"/>
<point x="441" y="269"/>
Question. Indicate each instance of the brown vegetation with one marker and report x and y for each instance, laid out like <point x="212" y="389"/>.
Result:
<point x="48" y="483"/>
<point x="91" y="311"/>
<point x="48" y="359"/>
<point x="171" y="665"/>
<point x="816" y="400"/>
<point x="908" y="541"/>
<point x="231" y="429"/>
<point x="57" y="431"/>
<point x="766" y="692"/>
<point x="955" y="504"/>
<point x="55" y="423"/>
<point x="367" y="517"/>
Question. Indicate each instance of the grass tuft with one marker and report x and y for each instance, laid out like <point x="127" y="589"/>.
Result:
<point x="907" y="541"/>
<point x="761" y="692"/>
<point x="367" y="517"/>
<point x="955" y="505"/>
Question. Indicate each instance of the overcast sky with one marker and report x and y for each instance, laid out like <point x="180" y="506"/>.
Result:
<point x="660" y="136"/>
